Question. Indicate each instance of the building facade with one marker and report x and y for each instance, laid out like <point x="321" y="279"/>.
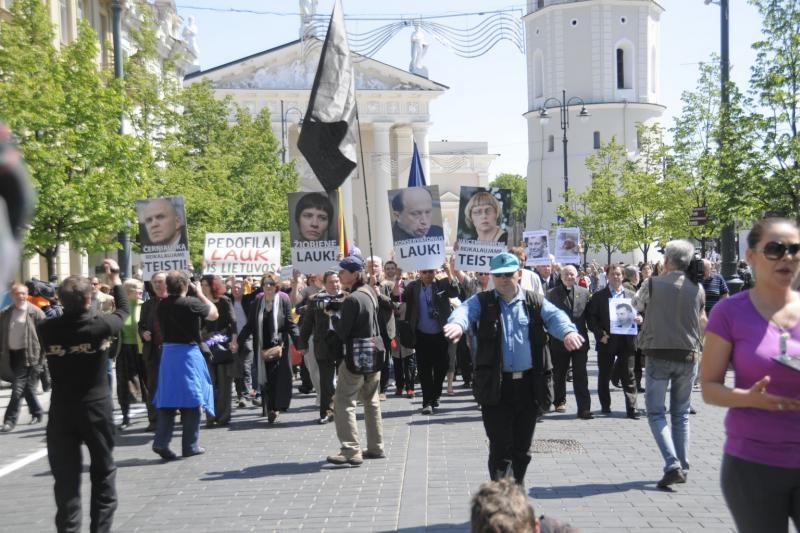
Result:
<point x="604" y="54"/>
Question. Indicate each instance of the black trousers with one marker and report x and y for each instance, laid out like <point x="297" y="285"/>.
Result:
<point x="23" y="386"/>
<point x="606" y="355"/>
<point x="130" y="377"/>
<point x="464" y="360"/>
<point x="244" y="384"/>
<point x="222" y="379"/>
<point x="580" y="379"/>
<point x="68" y="426"/>
<point x="327" y="371"/>
<point x="432" y="364"/>
<point x="510" y="426"/>
<point x="405" y="372"/>
<point x="151" y="364"/>
<point x="620" y="368"/>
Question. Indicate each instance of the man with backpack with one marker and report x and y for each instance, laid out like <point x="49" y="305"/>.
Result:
<point x="356" y="326"/>
<point x="511" y="335"/>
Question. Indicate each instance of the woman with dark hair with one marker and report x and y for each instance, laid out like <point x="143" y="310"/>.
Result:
<point x="754" y="332"/>
<point x="482" y="215"/>
<point x="183" y="379"/>
<point x="269" y="321"/>
<point x="313" y="216"/>
<point x="220" y="337"/>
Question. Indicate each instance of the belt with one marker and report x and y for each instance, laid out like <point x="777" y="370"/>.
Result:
<point x="516" y="375"/>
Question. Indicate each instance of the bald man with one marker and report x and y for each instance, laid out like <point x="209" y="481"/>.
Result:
<point x="413" y="211"/>
<point x="161" y="222"/>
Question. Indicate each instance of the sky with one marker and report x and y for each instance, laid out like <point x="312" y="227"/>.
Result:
<point x="487" y="95"/>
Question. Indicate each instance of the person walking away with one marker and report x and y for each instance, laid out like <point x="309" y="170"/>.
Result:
<point x="183" y="379"/>
<point x="76" y="345"/>
<point x="755" y="332"/>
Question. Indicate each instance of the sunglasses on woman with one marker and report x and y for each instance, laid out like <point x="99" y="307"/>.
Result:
<point x="775" y="250"/>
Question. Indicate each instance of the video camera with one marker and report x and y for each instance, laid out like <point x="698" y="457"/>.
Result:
<point x="696" y="270"/>
<point x="326" y="302"/>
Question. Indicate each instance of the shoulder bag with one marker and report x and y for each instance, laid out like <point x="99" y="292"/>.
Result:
<point x="365" y="355"/>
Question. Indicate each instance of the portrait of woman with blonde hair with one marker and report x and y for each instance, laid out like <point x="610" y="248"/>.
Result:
<point x="483" y="216"/>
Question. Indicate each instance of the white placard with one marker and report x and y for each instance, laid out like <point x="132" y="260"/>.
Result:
<point x="537" y="247"/>
<point x="622" y="317"/>
<point x="568" y="246"/>
<point x="475" y="256"/>
<point x="242" y="254"/>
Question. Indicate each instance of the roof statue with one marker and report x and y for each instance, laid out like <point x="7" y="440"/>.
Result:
<point x="418" y="48"/>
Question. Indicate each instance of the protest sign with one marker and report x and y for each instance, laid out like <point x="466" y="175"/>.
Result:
<point x="568" y="246"/>
<point x="417" y="228"/>
<point x="242" y="254"/>
<point x="622" y="317"/>
<point x="314" y="232"/>
<point x="537" y="247"/>
<point x="162" y="235"/>
<point x="483" y="215"/>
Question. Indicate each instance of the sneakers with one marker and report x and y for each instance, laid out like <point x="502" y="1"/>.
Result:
<point x="241" y="403"/>
<point x="427" y="410"/>
<point x="382" y="396"/>
<point x="341" y="459"/>
<point x="192" y="453"/>
<point x="561" y="408"/>
<point x="7" y="428"/>
<point x="410" y="394"/>
<point x="671" y="477"/>
<point x="374" y="455"/>
<point x="35" y="419"/>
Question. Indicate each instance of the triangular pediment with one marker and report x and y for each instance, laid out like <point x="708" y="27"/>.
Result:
<point x="449" y="197"/>
<point x="291" y="67"/>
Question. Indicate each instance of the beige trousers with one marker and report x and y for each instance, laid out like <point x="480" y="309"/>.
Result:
<point x="349" y="388"/>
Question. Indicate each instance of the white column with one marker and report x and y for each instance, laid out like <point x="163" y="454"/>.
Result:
<point x="420" y="130"/>
<point x="382" y="180"/>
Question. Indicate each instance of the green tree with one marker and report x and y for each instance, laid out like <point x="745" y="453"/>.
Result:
<point x="67" y="113"/>
<point x="519" y="193"/>
<point x="229" y="172"/>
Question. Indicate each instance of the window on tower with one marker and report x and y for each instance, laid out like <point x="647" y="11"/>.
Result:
<point x="549" y="195"/>
<point x="620" y="68"/>
<point x="596" y="140"/>
<point x="551" y="143"/>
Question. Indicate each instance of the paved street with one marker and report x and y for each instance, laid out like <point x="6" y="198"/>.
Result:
<point x="600" y="475"/>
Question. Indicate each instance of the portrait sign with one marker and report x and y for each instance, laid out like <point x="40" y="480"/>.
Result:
<point x="622" y="316"/>
<point x="568" y="246"/>
<point x="483" y="215"/>
<point x="314" y="231"/>
<point x="242" y="254"/>
<point x="537" y="247"/>
<point x="417" y="228"/>
<point x="162" y="235"/>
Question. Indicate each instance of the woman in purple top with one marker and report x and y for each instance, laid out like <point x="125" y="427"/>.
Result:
<point x="760" y="472"/>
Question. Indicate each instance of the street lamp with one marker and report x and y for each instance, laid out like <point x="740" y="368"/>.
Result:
<point x="563" y="104"/>
<point x="124" y="254"/>
<point x="284" y="132"/>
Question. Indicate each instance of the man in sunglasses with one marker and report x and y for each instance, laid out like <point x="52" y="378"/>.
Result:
<point x="511" y="344"/>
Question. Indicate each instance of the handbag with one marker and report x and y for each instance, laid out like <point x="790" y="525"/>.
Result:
<point x="365" y="355"/>
<point x="270" y="355"/>
<point x="405" y="333"/>
<point x="220" y="354"/>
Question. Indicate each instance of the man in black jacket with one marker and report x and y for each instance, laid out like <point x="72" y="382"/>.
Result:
<point x="76" y="345"/>
<point x="427" y="311"/>
<point x="574" y="301"/>
<point x="357" y="319"/>
<point x="150" y="333"/>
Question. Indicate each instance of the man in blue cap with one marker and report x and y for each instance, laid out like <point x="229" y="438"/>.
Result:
<point x="512" y="340"/>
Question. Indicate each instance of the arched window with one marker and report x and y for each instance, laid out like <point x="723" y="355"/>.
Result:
<point x="538" y="74"/>
<point x="551" y="143"/>
<point x="549" y="195"/>
<point x="653" y="71"/>
<point x="620" y="68"/>
<point x="623" y="65"/>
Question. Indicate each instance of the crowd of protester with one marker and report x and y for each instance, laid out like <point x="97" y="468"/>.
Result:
<point x="214" y="345"/>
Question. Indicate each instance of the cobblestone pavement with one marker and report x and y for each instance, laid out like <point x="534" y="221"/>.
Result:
<point x="600" y="475"/>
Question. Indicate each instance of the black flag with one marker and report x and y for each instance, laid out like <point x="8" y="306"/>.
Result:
<point x="327" y="137"/>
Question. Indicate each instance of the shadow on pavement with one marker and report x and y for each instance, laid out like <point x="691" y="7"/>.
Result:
<point x="437" y="419"/>
<point x="139" y="439"/>
<point x="434" y="527"/>
<point x="567" y="492"/>
<point x="253" y="472"/>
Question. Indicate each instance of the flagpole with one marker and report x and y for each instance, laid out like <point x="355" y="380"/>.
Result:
<point x="364" y="180"/>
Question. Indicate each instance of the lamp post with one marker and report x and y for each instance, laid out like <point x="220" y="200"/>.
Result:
<point x="728" y="235"/>
<point x="563" y="104"/>
<point x="124" y="254"/>
<point x="284" y="132"/>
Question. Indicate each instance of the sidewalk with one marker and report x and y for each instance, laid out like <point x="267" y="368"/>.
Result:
<point x="600" y="475"/>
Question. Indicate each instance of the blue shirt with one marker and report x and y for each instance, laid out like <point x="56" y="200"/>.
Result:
<point x="515" y="341"/>
<point x="425" y="323"/>
<point x="618" y="293"/>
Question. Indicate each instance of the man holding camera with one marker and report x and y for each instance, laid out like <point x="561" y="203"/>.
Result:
<point x="357" y="320"/>
<point x="672" y="340"/>
<point x="76" y="345"/>
<point x="317" y="325"/>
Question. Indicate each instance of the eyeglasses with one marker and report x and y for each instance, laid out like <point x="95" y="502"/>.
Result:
<point x="269" y="284"/>
<point x="775" y="250"/>
<point x="504" y="275"/>
<point x="483" y="273"/>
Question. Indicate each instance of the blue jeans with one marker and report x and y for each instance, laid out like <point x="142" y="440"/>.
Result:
<point x="678" y="376"/>
<point x="165" y="425"/>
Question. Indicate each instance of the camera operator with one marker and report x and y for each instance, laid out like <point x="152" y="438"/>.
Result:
<point x="672" y="340"/>
<point x="357" y="320"/>
<point x="316" y="325"/>
<point x="76" y="345"/>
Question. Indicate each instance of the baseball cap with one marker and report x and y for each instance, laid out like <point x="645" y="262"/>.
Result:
<point x="503" y="263"/>
<point x="352" y="263"/>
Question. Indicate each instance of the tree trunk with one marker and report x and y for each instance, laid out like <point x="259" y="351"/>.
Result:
<point x="608" y="255"/>
<point x="645" y="250"/>
<point x="50" y="257"/>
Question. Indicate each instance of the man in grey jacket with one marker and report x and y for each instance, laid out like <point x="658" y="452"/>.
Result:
<point x="672" y="339"/>
<point x="21" y="355"/>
